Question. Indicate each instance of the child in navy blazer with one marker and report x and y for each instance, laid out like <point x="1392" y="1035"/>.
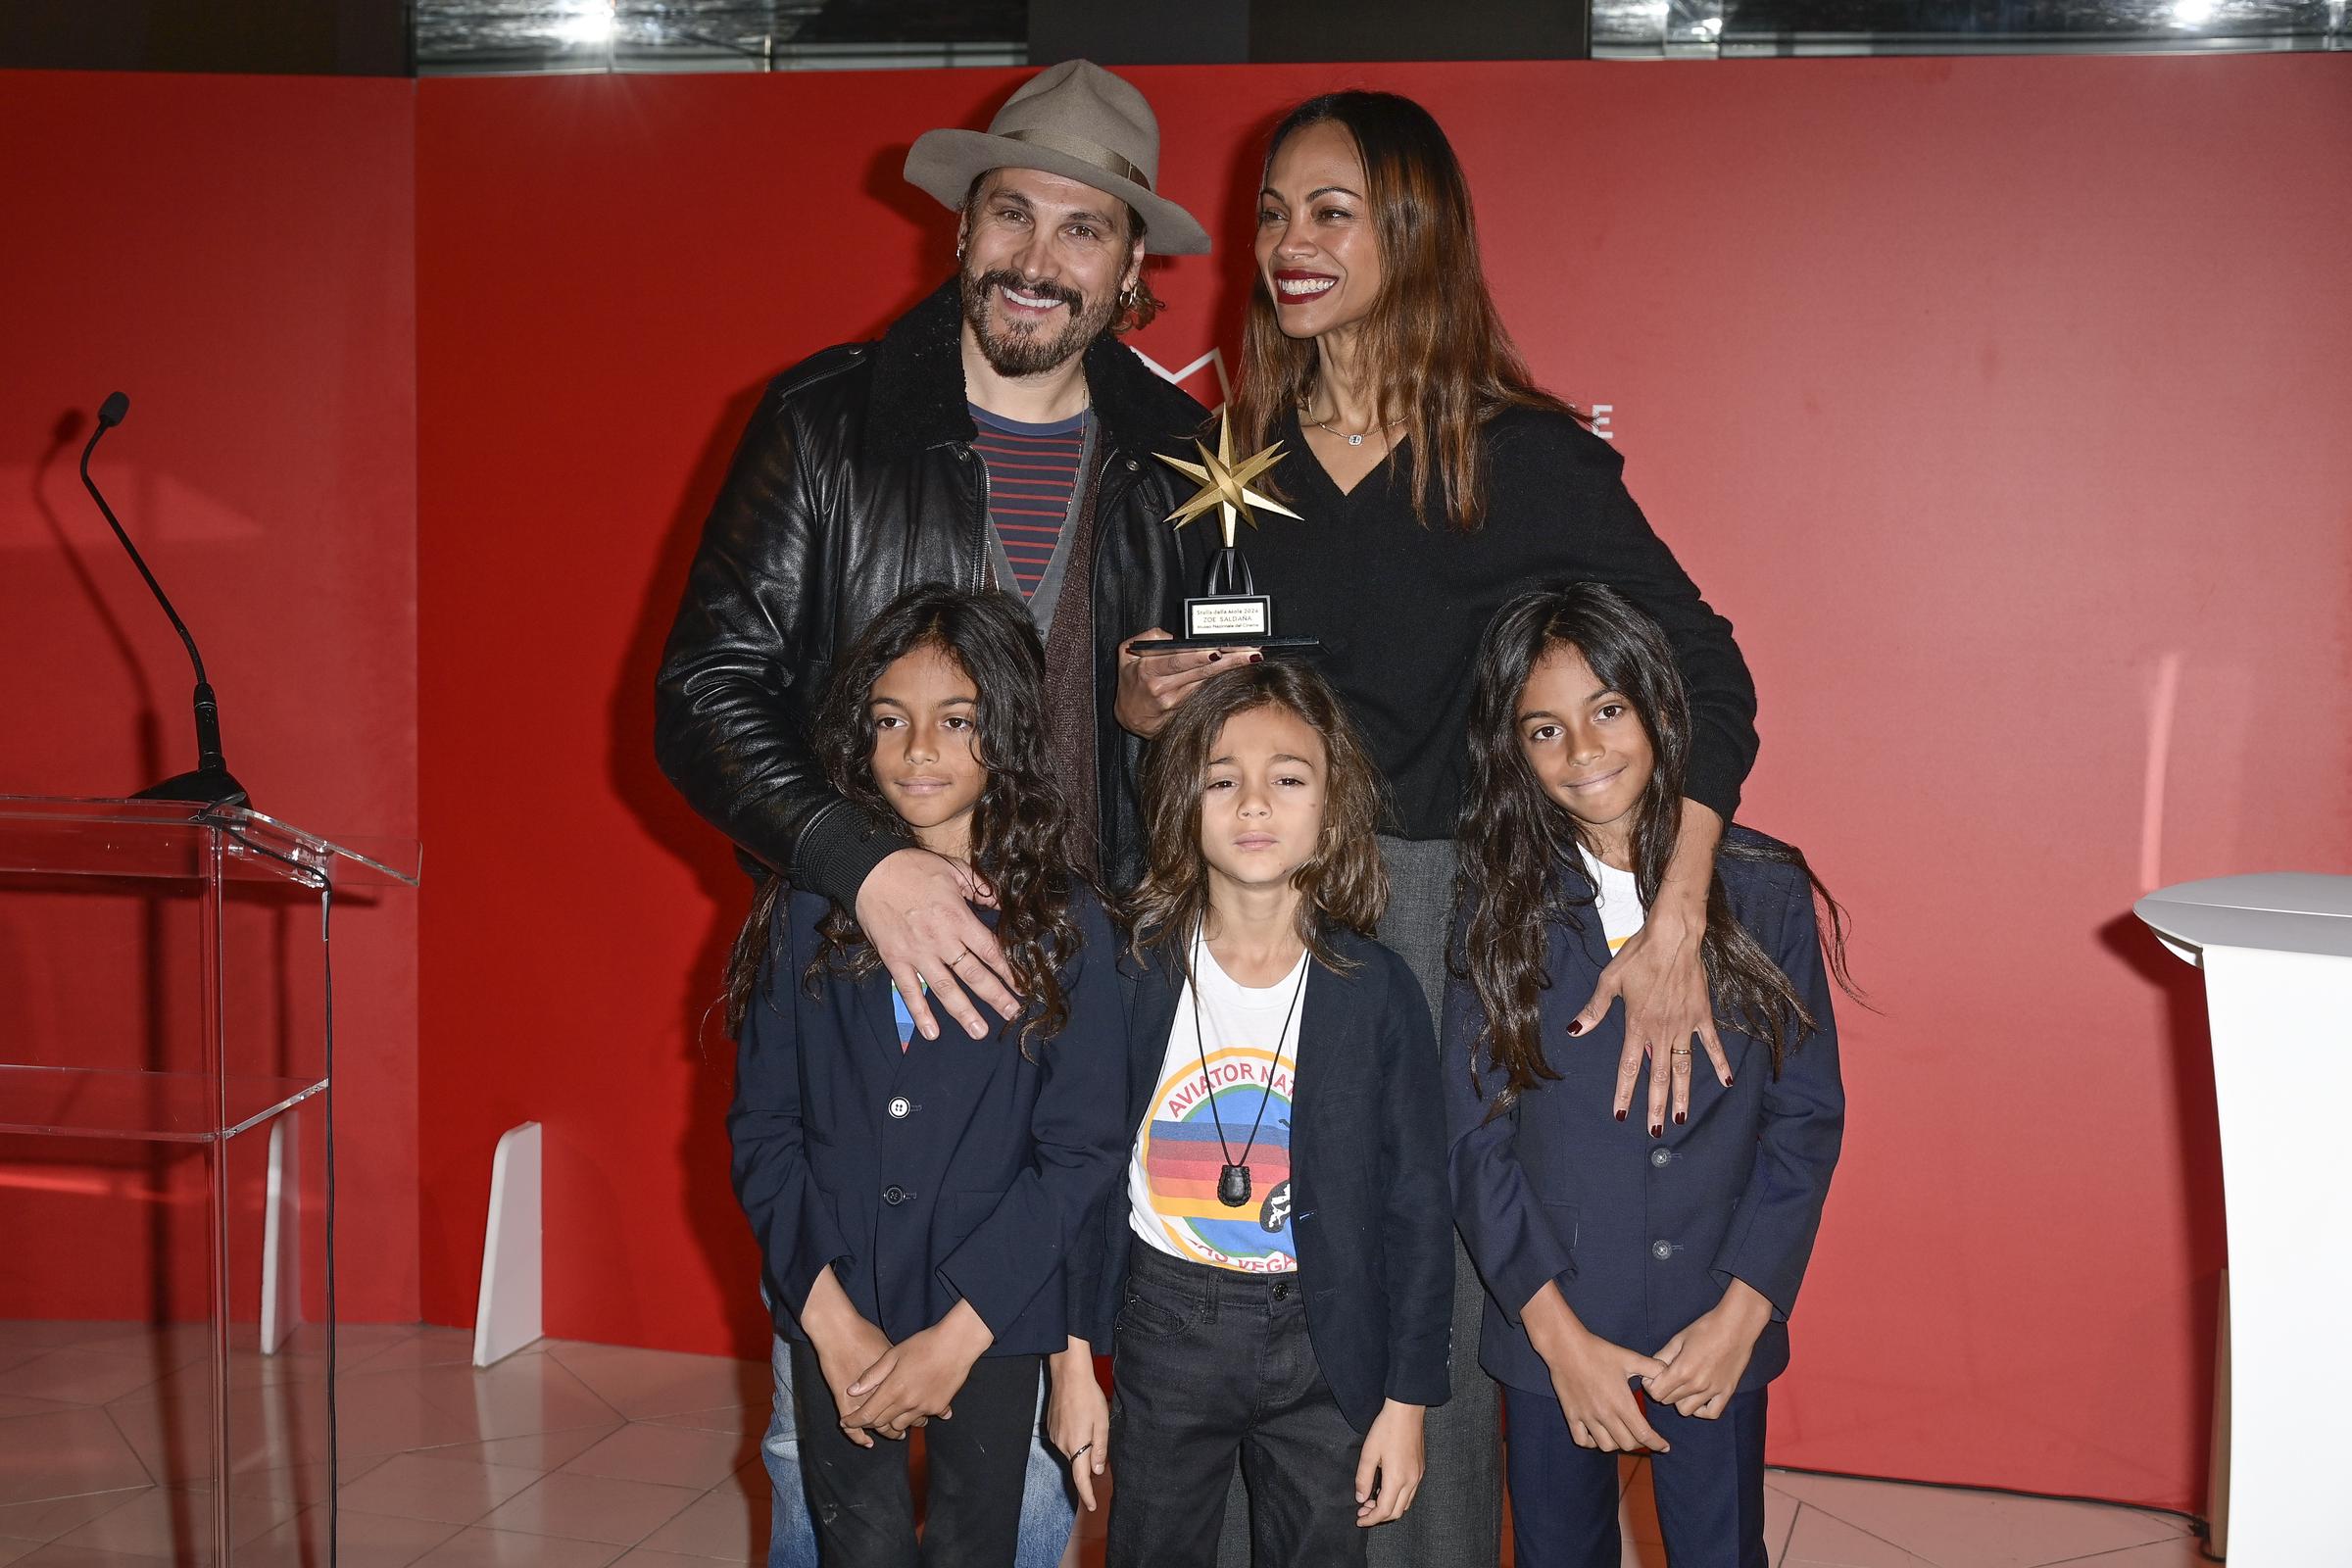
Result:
<point x="1611" y="1258"/>
<point x="1278" y="1263"/>
<point x="915" y="1200"/>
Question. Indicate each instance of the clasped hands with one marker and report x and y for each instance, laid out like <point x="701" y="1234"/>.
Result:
<point x="883" y="1388"/>
<point x="897" y="1388"/>
<point x="1695" y="1373"/>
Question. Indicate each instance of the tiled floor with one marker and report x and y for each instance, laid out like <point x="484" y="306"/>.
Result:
<point x="576" y="1455"/>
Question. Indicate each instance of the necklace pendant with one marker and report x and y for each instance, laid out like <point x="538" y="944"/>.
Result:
<point x="1355" y="440"/>
<point x="1233" y="1186"/>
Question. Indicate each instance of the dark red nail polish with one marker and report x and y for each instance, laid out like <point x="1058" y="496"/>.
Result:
<point x="1213" y="658"/>
<point x="1727" y="1082"/>
<point x="1621" y="1115"/>
<point x="1257" y="659"/>
<point x="1656" y="1130"/>
<point x="1681" y="1116"/>
<point x="1577" y="1027"/>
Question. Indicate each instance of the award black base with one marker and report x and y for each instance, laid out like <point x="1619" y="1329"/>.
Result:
<point x="1232" y="613"/>
<point x="1264" y="645"/>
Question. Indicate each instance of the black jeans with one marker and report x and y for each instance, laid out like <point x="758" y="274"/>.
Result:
<point x="1208" y="1363"/>
<point x="861" y="1502"/>
<point x="1457" y="1517"/>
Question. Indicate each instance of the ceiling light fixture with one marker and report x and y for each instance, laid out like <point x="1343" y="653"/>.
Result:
<point x="590" y="23"/>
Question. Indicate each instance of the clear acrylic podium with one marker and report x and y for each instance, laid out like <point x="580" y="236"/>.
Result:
<point x="166" y="1051"/>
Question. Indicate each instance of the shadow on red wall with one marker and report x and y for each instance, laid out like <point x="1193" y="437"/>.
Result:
<point x="236" y="254"/>
<point x="709" y="1055"/>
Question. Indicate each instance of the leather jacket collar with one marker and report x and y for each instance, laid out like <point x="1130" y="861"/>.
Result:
<point x="918" y="399"/>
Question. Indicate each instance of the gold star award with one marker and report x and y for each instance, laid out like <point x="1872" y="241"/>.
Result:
<point x="1232" y="613"/>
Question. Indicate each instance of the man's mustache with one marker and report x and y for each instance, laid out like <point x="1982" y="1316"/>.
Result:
<point x="1004" y="278"/>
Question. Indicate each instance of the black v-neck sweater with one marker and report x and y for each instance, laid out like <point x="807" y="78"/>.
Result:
<point x="1400" y="608"/>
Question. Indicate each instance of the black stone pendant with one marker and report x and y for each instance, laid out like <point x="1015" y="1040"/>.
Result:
<point x="1233" y="1186"/>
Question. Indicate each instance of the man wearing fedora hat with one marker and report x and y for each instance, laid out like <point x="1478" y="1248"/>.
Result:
<point x="997" y="433"/>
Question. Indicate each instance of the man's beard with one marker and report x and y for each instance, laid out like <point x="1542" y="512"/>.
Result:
<point x="1027" y="351"/>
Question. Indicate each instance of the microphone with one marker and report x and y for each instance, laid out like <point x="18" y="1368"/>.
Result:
<point x="211" y="783"/>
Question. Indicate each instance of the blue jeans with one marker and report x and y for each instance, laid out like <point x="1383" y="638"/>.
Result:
<point x="1049" y="1506"/>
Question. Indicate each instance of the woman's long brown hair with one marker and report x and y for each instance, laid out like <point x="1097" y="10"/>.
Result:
<point x="1342" y="884"/>
<point x="1435" y="346"/>
<point x="1022" y="826"/>
<point x="1520" y="875"/>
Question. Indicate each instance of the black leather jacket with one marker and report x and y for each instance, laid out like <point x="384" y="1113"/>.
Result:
<point x="856" y="481"/>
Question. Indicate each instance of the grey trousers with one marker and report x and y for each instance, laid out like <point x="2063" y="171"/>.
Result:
<point x="1457" y="1517"/>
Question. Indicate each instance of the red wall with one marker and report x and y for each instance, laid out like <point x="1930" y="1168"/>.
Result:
<point x="238" y="256"/>
<point x="1999" y="402"/>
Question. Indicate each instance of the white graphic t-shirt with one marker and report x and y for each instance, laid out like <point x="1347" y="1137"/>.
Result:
<point x="1619" y="897"/>
<point x="1172" y="1200"/>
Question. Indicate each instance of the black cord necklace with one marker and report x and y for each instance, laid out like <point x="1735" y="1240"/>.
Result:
<point x="1233" y="1182"/>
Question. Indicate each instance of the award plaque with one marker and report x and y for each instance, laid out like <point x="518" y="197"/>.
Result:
<point x="1229" y="612"/>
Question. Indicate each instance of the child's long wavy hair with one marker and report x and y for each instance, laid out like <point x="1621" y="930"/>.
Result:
<point x="1520" y="873"/>
<point x="1342" y="884"/>
<point x="1021" y="824"/>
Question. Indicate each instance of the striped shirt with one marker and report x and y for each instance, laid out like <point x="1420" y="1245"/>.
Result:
<point x="1032" y="475"/>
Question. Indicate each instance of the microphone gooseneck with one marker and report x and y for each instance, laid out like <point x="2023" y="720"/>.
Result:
<point x="211" y="783"/>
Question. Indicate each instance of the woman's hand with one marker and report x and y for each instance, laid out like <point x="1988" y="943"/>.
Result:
<point x="1660" y="975"/>
<point x="1388" y="1472"/>
<point x="1150" y="688"/>
<point x="1592" y="1378"/>
<point x="1078" y="1417"/>
<point x="845" y="1341"/>
<point x="917" y="1379"/>
<point x="1705" y="1363"/>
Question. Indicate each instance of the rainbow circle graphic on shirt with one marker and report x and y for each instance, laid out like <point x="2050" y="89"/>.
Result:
<point x="1182" y="1159"/>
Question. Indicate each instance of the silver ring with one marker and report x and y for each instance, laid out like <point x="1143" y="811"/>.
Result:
<point x="1081" y="1454"/>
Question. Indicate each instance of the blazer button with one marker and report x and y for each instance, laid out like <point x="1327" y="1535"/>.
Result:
<point x="1133" y="464"/>
<point x="894" y="1195"/>
<point x="898" y="1108"/>
<point x="1661" y="1251"/>
<point x="1657" y="1156"/>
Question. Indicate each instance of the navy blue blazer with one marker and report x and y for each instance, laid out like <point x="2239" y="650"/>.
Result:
<point x="1368" y="1207"/>
<point x="957" y="1170"/>
<point x="1643" y="1234"/>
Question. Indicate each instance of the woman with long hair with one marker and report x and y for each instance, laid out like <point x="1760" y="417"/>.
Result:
<point x="1437" y="481"/>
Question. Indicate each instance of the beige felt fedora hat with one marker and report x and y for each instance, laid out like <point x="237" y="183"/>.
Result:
<point x="1074" y="120"/>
